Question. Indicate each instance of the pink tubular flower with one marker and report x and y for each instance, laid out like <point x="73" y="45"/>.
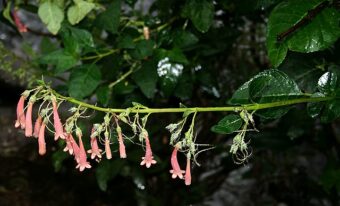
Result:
<point x="122" y="152"/>
<point x="37" y="126"/>
<point x="94" y="151"/>
<point x="21" y="113"/>
<point x="28" y="120"/>
<point x="176" y="170"/>
<point x="69" y="146"/>
<point x="75" y="148"/>
<point x="82" y="163"/>
<point x="21" y="27"/>
<point x="148" y="158"/>
<point x="57" y="123"/>
<point x="187" y="177"/>
<point x="41" y="139"/>
<point x="108" y="149"/>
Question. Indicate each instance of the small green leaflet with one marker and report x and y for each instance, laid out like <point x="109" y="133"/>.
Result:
<point x="228" y="124"/>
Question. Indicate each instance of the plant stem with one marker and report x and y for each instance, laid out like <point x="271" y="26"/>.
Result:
<point x="111" y="85"/>
<point x="248" y="107"/>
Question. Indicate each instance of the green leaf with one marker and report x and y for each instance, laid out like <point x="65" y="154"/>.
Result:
<point x="78" y="11"/>
<point x="146" y="78"/>
<point x="327" y="83"/>
<point x="184" y="87"/>
<point x="200" y="12"/>
<point x="331" y="111"/>
<point x="174" y="55"/>
<point x="62" y="59"/>
<point x="82" y="36"/>
<point x="103" y="93"/>
<point x="109" y="19"/>
<point x="304" y="69"/>
<point x="125" y="42"/>
<point x="47" y="46"/>
<point x="319" y="34"/>
<point x="52" y="15"/>
<point x="143" y="49"/>
<point x="228" y="124"/>
<point x="83" y="80"/>
<point x="106" y="171"/>
<point x="271" y="86"/>
<point x="267" y="86"/>
<point x="184" y="39"/>
<point x="75" y="39"/>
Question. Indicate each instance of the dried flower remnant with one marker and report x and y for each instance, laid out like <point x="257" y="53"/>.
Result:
<point x="37" y="126"/>
<point x="41" y="139"/>
<point x="28" y="120"/>
<point x="21" y="113"/>
<point x="94" y="151"/>
<point x="176" y="170"/>
<point x="57" y="123"/>
<point x="82" y="163"/>
<point x="148" y="158"/>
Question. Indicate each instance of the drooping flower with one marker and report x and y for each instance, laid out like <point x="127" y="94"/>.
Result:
<point x="69" y="146"/>
<point x="21" y="27"/>
<point x="122" y="152"/>
<point x="37" y="126"/>
<point x="176" y="170"/>
<point x="187" y="177"/>
<point x="57" y="123"/>
<point x="94" y="151"/>
<point x="21" y="113"/>
<point x="28" y="120"/>
<point x="41" y="139"/>
<point x="82" y="163"/>
<point x="148" y="158"/>
<point x="108" y="148"/>
<point x="75" y="148"/>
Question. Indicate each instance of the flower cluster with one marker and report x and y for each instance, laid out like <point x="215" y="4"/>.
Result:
<point x="101" y="135"/>
<point x="64" y="132"/>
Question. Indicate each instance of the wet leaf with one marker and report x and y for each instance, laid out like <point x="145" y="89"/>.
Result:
<point x="316" y="35"/>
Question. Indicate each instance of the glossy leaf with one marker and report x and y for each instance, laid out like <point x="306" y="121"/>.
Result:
<point x="268" y="86"/>
<point x="83" y="81"/>
<point x="318" y="34"/>
<point x="228" y="124"/>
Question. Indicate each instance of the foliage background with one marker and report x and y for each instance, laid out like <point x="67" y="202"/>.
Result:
<point x="198" y="54"/>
